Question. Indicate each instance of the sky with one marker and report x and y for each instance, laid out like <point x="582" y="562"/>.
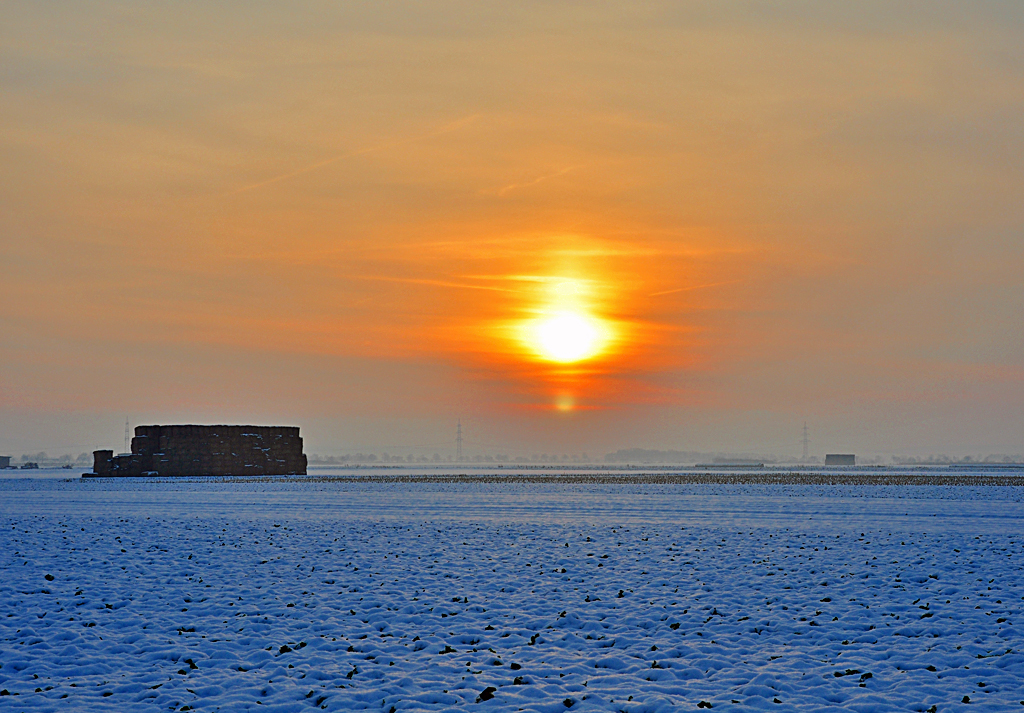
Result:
<point x="577" y="227"/>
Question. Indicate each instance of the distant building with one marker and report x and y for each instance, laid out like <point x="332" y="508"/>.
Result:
<point x="840" y="459"/>
<point x="206" y="450"/>
<point x="5" y="462"/>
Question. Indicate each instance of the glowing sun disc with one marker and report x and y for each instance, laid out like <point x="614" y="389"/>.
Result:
<point x="567" y="337"/>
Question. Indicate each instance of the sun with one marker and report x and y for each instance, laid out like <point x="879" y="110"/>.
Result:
<point x="567" y="336"/>
<point x="565" y="325"/>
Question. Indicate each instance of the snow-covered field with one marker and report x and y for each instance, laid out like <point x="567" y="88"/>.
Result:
<point x="308" y="594"/>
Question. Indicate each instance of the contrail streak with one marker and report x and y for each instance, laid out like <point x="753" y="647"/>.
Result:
<point x="694" y="287"/>
<point x="453" y="126"/>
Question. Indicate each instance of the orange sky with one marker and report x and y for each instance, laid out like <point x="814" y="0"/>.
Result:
<point x="340" y="217"/>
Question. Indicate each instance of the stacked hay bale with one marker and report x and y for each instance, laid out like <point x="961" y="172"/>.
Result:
<point x="102" y="462"/>
<point x="208" y="450"/>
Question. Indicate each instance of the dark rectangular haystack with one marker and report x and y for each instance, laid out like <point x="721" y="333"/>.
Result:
<point x="207" y="450"/>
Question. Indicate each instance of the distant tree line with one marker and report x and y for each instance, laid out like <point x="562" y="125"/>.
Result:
<point x="951" y="460"/>
<point x="436" y="458"/>
<point x="45" y="460"/>
<point x="644" y="455"/>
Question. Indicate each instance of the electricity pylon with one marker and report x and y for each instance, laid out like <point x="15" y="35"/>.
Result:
<point x="458" y="441"/>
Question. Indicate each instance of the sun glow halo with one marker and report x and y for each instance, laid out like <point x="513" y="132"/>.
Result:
<point x="567" y="337"/>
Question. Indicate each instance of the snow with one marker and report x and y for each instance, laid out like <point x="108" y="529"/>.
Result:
<point x="295" y="594"/>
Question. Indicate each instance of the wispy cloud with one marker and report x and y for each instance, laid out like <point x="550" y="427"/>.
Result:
<point x="424" y="281"/>
<point x="447" y="128"/>
<point x="533" y="182"/>
<point x="693" y="287"/>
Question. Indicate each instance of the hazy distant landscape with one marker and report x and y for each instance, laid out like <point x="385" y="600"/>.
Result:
<point x="634" y="456"/>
